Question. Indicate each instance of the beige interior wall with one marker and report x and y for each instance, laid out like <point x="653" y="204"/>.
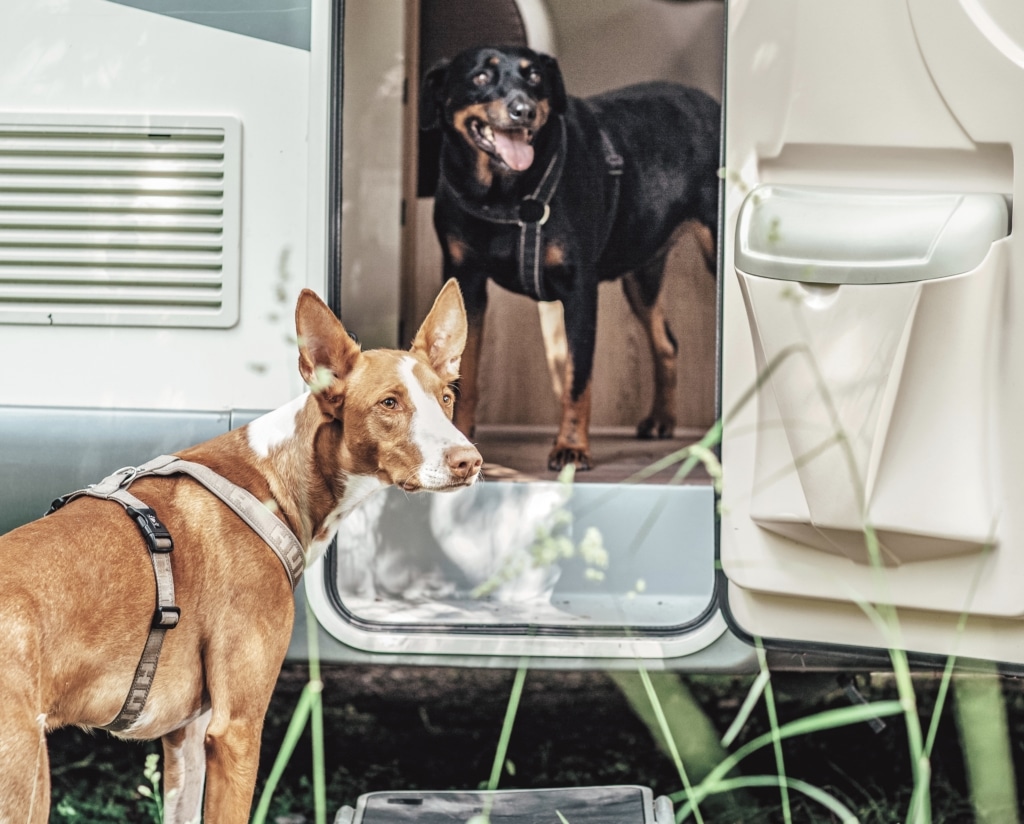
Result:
<point x="602" y="44"/>
<point x="372" y="176"/>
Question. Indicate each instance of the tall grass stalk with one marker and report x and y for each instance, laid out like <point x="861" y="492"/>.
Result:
<point x="773" y="720"/>
<point x="753" y="694"/>
<point x="506" y="725"/>
<point x="501" y="751"/>
<point x="984" y="737"/>
<point x="669" y="740"/>
<point x="829" y="802"/>
<point x="291" y="738"/>
<point x="317" y="718"/>
<point x="308" y="709"/>
<point x="817" y="722"/>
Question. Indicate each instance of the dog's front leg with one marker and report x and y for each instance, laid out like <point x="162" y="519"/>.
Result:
<point x="572" y="445"/>
<point x="185" y="771"/>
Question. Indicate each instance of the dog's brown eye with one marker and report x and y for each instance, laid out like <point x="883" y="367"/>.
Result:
<point x="533" y="77"/>
<point x="481" y="78"/>
<point x="389" y="403"/>
<point x="446" y="398"/>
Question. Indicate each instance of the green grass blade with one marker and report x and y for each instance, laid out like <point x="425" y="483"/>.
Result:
<point x="753" y="694"/>
<point x="829" y="802"/>
<point x="317" y="718"/>
<point x="984" y="731"/>
<point x="484" y="816"/>
<point x="508" y="723"/>
<point x="291" y="739"/>
<point x="940" y="702"/>
<point x="818" y="722"/>
<point x="670" y="741"/>
<point x="690" y="456"/>
<point x="947" y="673"/>
<point x="773" y="720"/>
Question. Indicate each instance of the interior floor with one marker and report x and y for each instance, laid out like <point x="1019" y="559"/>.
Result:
<point x="520" y="453"/>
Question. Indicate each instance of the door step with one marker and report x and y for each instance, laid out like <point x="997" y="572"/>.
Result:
<point x="592" y="805"/>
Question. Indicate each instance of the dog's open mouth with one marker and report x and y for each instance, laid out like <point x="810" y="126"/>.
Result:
<point x="511" y="146"/>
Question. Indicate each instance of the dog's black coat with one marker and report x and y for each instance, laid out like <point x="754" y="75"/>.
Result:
<point x="602" y="225"/>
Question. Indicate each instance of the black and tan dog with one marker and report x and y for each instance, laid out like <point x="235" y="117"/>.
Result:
<point x="548" y="195"/>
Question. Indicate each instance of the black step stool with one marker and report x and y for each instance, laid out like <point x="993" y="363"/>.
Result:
<point x="579" y="805"/>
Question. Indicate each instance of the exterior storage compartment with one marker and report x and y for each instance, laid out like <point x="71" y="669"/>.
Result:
<point x="870" y="310"/>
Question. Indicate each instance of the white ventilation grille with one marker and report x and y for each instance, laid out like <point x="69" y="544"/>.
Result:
<point x="119" y="221"/>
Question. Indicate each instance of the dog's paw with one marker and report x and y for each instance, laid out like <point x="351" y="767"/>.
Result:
<point x="652" y="427"/>
<point x="562" y="456"/>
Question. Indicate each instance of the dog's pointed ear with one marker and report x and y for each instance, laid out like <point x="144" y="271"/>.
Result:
<point x="442" y="337"/>
<point x="327" y="354"/>
<point x="556" y="87"/>
<point x="431" y="90"/>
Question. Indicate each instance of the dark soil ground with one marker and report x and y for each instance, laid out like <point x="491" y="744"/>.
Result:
<point x="391" y="728"/>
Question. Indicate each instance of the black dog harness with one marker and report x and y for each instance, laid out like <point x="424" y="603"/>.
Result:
<point x="167" y="614"/>
<point x="533" y="211"/>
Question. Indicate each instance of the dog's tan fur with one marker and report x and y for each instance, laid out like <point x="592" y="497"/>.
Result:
<point x="77" y="589"/>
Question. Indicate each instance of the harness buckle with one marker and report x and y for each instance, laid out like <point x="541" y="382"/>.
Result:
<point x="155" y="533"/>
<point x="57" y="504"/>
<point x="129" y="472"/>
<point x="166" y="617"/>
<point x="532" y="210"/>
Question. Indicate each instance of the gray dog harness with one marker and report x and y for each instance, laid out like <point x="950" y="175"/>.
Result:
<point x="166" y="615"/>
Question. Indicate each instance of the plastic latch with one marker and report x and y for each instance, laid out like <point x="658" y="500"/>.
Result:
<point x="152" y="529"/>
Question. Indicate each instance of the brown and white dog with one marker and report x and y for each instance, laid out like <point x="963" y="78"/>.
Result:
<point x="77" y="587"/>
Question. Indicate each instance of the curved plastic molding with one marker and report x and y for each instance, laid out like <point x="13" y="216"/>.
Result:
<point x="853" y="236"/>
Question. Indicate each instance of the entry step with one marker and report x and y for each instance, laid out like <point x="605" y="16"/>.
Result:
<point x="578" y="805"/>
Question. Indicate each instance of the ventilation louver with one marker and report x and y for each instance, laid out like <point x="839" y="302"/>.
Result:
<point x="119" y="221"/>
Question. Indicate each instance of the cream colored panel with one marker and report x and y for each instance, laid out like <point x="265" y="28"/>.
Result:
<point x="88" y="59"/>
<point x="937" y="473"/>
<point x="866" y="385"/>
<point x="874" y="77"/>
<point x="838" y="355"/>
<point x="848" y="625"/>
<point x="917" y="95"/>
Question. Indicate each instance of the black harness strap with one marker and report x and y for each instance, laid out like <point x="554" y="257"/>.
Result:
<point x="613" y="162"/>
<point x="534" y="210"/>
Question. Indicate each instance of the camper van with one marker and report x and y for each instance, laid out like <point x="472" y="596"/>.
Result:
<point x="173" y="173"/>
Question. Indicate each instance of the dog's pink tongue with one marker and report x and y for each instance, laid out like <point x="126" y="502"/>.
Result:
<point x="514" y="149"/>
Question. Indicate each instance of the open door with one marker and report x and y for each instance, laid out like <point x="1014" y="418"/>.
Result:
<point x="872" y="345"/>
<point x="514" y="566"/>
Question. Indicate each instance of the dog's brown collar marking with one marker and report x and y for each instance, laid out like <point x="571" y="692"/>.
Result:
<point x="165" y="617"/>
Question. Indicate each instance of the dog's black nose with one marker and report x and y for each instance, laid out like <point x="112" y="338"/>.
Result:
<point x="522" y="110"/>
